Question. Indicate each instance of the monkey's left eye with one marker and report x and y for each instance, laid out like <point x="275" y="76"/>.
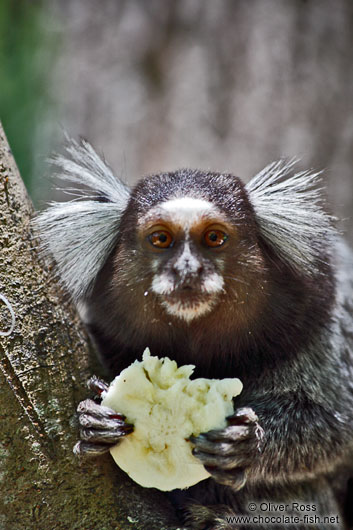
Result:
<point x="161" y="239"/>
<point x="215" y="238"/>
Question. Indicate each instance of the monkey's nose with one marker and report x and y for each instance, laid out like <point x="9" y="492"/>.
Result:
<point x="190" y="282"/>
<point x="189" y="270"/>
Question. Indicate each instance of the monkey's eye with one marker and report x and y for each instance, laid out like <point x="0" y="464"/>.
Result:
<point x="161" y="239"/>
<point x="215" y="238"/>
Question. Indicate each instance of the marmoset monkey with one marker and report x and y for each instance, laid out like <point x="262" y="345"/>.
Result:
<point x="242" y="281"/>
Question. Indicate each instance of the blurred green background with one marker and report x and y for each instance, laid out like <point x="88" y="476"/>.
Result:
<point x="160" y="84"/>
<point x="27" y="56"/>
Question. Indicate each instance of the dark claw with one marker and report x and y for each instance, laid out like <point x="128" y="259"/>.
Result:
<point x="97" y="385"/>
<point x="116" y="416"/>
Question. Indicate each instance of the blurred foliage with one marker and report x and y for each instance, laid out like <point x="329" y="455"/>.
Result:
<point x="27" y="50"/>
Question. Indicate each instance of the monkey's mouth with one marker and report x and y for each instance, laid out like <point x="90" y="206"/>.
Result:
<point x="188" y="303"/>
<point x="188" y="295"/>
<point x="189" y="299"/>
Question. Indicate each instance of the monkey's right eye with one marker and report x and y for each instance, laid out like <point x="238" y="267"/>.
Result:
<point x="161" y="239"/>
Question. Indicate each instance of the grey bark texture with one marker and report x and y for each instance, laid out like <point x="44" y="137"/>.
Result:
<point x="45" y="362"/>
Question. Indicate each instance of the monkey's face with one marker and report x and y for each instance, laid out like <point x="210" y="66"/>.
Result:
<point x="185" y="239"/>
<point x="188" y="250"/>
<point x="189" y="244"/>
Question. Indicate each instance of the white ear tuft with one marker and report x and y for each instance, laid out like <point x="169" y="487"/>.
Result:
<point x="290" y="215"/>
<point x="80" y="234"/>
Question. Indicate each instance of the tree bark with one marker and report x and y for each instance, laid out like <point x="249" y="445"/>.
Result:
<point x="45" y="361"/>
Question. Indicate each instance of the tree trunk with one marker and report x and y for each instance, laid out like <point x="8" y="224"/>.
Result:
<point x="45" y="361"/>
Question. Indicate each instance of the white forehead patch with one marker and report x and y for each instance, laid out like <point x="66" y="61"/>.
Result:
<point x="186" y="211"/>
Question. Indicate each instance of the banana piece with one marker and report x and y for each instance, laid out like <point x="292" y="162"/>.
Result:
<point x="166" y="408"/>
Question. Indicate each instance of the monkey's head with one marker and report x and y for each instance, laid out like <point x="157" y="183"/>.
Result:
<point x="195" y="250"/>
<point x="188" y="244"/>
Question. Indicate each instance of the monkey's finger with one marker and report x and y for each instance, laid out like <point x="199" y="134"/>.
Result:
<point x="214" y="460"/>
<point x="88" y="406"/>
<point x="105" y="436"/>
<point x="84" y="449"/>
<point x="244" y="415"/>
<point x="97" y="385"/>
<point x="225" y="456"/>
<point x="217" y="448"/>
<point x="229" y="434"/>
<point x="94" y="422"/>
<point x="235" y="478"/>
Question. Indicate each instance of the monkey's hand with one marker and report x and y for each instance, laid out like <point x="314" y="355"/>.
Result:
<point x="100" y="426"/>
<point x="228" y="453"/>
